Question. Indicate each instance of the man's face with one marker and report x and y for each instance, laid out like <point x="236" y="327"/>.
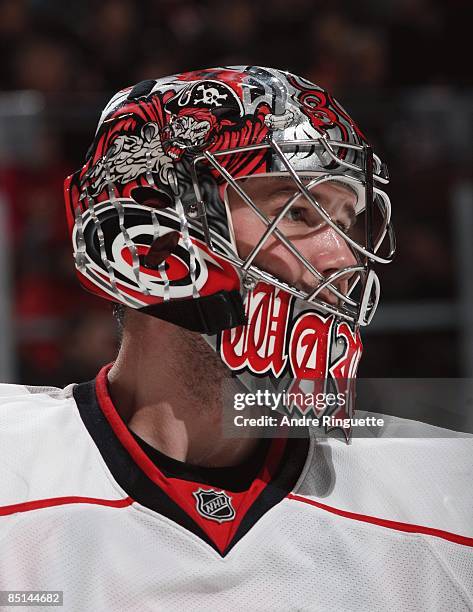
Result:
<point x="319" y="243"/>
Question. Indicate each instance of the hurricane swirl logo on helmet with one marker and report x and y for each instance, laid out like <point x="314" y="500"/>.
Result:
<point x="173" y="278"/>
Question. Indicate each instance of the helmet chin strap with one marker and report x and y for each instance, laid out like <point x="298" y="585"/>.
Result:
<point x="209" y="314"/>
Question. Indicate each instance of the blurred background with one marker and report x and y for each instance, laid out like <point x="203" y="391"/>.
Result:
<point x="399" y="66"/>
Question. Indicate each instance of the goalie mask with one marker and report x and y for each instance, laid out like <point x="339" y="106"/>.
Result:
<point x="155" y="216"/>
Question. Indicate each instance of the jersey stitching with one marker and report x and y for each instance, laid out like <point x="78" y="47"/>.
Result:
<point x="55" y="393"/>
<point x="71" y="406"/>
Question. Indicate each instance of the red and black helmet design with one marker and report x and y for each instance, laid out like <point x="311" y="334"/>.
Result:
<point x="147" y="214"/>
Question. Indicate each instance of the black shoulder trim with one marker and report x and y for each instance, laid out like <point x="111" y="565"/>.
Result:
<point x="125" y="471"/>
<point x="144" y="491"/>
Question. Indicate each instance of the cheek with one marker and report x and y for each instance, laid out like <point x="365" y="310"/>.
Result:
<point x="322" y="249"/>
<point x="274" y="256"/>
<point x="278" y="260"/>
<point x="248" y="229"/>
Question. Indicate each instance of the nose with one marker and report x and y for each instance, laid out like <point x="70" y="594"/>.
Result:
<point x="328" y="252"/>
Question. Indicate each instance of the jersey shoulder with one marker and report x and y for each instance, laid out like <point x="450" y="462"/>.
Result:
<point x="406" y="472"/>
<point x="9" y="390"/>
<point x="407" y="487"/>
<point x="45" y="450"/>
<point x="29" y="409"/>
<point x="30" y="393"/>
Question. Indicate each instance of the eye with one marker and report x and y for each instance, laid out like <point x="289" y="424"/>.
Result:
<point x="295" y="214"/>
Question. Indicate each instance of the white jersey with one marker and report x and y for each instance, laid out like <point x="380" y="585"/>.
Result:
<point x="380" y="524"/>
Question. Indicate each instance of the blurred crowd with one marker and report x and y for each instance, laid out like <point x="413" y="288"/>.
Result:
<point x="398" y="65"/>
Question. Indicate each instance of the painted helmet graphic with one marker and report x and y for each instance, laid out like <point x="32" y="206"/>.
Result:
<point x="149" y="212"/>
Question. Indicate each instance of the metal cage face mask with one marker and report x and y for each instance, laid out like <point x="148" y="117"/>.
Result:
<point x="149" y="215"/>
<point x="371" y="242"/>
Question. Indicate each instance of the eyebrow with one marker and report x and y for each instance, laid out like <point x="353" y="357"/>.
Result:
<point x="348" y="207"/>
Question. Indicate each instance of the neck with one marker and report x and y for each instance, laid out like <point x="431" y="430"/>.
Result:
<point x="168" y="385"/>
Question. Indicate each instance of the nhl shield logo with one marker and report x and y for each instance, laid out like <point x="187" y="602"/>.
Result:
<point x="214" y="505"/>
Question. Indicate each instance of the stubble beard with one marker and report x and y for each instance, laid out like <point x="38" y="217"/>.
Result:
<point x="204" y="375"/>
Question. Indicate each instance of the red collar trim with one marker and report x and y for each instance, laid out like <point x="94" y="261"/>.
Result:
<point x="180" y="491"/>
<point x="122" y="432"/>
